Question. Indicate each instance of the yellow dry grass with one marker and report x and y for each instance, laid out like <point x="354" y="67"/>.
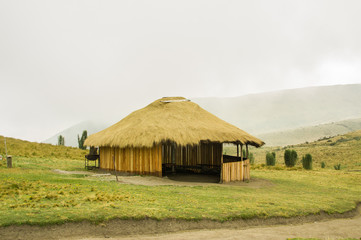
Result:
<point x="174" y="119"/>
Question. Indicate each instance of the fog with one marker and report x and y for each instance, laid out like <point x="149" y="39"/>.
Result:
<point x="63" y="62"/>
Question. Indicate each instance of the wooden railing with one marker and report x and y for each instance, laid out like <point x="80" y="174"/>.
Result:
<point x="233" y="170"/>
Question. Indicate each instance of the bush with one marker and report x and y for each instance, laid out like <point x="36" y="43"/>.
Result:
<point x="270" y="159"/>
<point x="337" y="166"/>
<point x="251" y="158"/>
<point x="290" y="157"/>
<point x="307" y="161"/>
<point x="323" y="164"/>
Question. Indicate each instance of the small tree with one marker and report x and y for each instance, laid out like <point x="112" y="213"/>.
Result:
<point x="270" y="159"/>
<point x="307" y="161"/>
<point x="290" y="157"/>
<point x="61" y="140"/>
<point x="82" y="139"/>
<point x="323" y="164"/>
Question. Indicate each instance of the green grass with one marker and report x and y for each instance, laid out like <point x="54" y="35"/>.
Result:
<point x="32" y="193"/>
<point x="23" y="148"/>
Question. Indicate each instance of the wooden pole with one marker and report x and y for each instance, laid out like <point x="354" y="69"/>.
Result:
<point x="241" y="152"/>
<point x="237" y="150"/>
<point x="247" y="151"/>
<point x="221" y="175"/>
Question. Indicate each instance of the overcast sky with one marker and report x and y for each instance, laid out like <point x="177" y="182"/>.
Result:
<point x="62" y="61"/>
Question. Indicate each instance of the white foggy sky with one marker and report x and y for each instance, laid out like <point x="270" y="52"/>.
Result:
<point x="60" y="61"/>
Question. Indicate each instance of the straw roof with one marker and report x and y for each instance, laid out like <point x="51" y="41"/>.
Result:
<point x="174" y="119"/>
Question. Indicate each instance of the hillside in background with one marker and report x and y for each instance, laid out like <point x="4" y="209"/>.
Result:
<point x="279" y="118"/>
<point x="311" y="133"/>
<point x="17" y="147"/>
<point x="71" y="134"/>
<point x="344" y="149"/>
<point x="287" y="109"/>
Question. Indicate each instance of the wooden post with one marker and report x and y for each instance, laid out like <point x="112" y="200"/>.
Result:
<point x="237" y="150"/>
<point x="9" y="161"/>
<point x="241" y="152"/>
<point x="221" y="175"/>
<point x="247" y="151"/>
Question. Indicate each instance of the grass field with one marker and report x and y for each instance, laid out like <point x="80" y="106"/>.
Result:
<point x="33" y="193"/>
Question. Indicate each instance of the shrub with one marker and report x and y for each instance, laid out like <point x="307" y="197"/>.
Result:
<point x="307" y="161"/>
<point x="251" y="158"/>
<point x="337" y="166"/>
<point x="323" y="164"/>
<point x="270" y="159"/>
<point x="290" y="157"/>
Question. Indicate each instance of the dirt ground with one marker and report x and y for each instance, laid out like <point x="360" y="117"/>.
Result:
<point x="179" y="179"/>
<point x="333" y="229"/>
<point x="324" y="226"/>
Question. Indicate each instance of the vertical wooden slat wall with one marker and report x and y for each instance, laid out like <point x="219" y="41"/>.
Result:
<point x="236" y="171"/>
<point x="204" y="154"/>
<point x="144" y="161"/>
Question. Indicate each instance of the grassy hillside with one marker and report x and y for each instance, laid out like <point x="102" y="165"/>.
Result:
<point x="310" y="134"/>
<point x="344" y="149"/>
<point x="287" y="109"/>
<point x="17" y="147"/>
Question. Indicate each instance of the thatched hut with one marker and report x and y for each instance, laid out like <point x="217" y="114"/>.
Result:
<point x="170" y="134"/>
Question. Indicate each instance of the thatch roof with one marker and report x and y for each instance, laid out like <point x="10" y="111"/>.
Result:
<point x="174" y="119"/>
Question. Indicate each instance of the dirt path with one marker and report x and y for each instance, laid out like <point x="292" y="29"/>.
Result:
<point x="333" y="229"/>
<point x="324" y="226"/>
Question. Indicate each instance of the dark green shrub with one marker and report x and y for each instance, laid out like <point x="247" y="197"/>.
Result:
<point x="307" y="161"/>
<point x="270" y="159"/>
<point x="323" y="164"/>
<point x="290" y="157"/>
<point x="337" y="166"/>
<point x="251" y="158"/>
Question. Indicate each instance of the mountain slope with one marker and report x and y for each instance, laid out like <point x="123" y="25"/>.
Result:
<point x="287" y="109"/>
<point x="278" y="117"/>
<point x="71" y="134"/>
<point x="311" y="133"/>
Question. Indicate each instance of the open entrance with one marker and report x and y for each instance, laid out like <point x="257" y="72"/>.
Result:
<point x="204" y="162"/>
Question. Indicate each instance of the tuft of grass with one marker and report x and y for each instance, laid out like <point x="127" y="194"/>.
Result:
<point x="337" y="166"/>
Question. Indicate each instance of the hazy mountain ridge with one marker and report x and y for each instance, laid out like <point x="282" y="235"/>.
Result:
<point x="71" y="134"/>
<point x="292" y="116"/>
<point x="287" y="109"/>
<point x="311" y="133"/>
